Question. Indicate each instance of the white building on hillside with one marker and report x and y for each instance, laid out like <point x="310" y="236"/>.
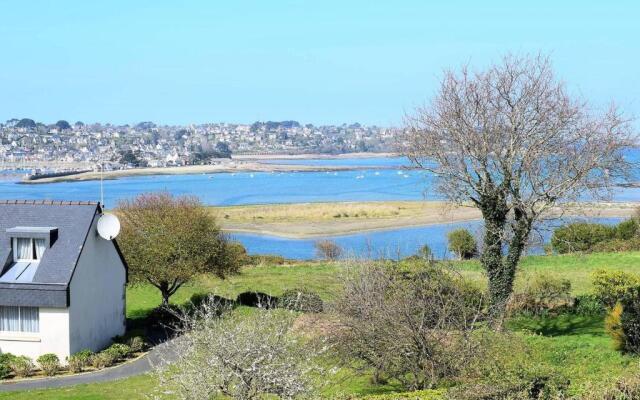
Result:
<point x="62" y="287"/>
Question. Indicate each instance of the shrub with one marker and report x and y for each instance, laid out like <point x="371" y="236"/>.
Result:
<point x="541" y="294"/>
<point x="22" y="366"/>
<point x="626" y="230"/>
<point x="163" y="317"/>
<point x="118" y="350"/>
<point x="79" y="361"/>
<point x="625" y="388"/>
<point x="462" y="243"/>
<point x="137" y="344"/>
<point x="301" y="300"/>
<point x="506" y="367"/>
<point x="588" y="305"/>
<point x="5" y="366"/>
<point x="630" y="320"/>
<point x="242" y="357"/>
<point x="49" y="363"/>
<point x="266" y="259"/>
<point x="257" y="299"/>
<point x="328" y="249"/>
<point x="611" y="286"/>
<point x="617" y="245"/>
<point x="425" y="252"/>
<point x="580" y="236"/>
<point x="103" y="359"/>
<point x="238" y="252"/>
<point x="411" y="325"/>
<point x="431" y="394"/>
<point x="613" y="326"/>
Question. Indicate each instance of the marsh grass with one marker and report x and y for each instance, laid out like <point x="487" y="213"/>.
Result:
<point x="318" y="212"/>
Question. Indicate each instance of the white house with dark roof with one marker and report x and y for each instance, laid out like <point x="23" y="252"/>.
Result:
<point x="62" y="286"/>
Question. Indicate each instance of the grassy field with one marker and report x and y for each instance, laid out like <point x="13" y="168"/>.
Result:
<point x="577" y="345"/>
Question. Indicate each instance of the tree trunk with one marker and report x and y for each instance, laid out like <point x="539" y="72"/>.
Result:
<point x="500" y="284"/>
<point x="494" y="212"/>
<point x="165" y="292"/>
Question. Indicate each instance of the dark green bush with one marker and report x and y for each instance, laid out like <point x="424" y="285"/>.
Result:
<point x="300" y="300"/>
<point x="163" y="317"/>
<point x="630" y="320"/>
<point x="5" y="364"/>
<point x="257" y="299"/>
<point x="580" y="236"/>
<point x="626" y="230"/>
<point x="462" y="243"/>
<point x="49" y="363"/>
<point x="120" y="351"/>
<point x="588" y="305"/>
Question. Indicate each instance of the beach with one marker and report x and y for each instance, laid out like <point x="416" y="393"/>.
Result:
<point x="241" y="163"/>
<point x="226" y="167"/>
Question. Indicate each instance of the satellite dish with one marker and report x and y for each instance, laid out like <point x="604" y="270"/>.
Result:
<point x="108" y="226"/>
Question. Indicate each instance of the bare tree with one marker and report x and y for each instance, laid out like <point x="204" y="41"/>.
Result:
<point x="414" y="326"/>
<point x="514" y="142"/>
<point x="328" y="249"/>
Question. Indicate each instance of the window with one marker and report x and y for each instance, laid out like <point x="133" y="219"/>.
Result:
<point x="19" y="319"/>
<point x="28" y="249"/>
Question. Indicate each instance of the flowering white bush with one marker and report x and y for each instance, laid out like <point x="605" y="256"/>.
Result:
<point x="241" y="356"/>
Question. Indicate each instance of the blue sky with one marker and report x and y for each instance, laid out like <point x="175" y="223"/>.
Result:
<point x="312" y="61"/>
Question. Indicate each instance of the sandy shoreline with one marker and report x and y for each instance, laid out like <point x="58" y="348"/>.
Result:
<point x="224" y="167"/>
<point x="421" y="214"/>
<point x="311" y="156"/>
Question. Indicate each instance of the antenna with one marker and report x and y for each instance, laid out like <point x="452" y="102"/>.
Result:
<point x="108" y="226"/>
<point x="101" y="184"/>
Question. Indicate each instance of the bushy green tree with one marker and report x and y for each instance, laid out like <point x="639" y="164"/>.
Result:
<point x="167" y="241"/>
<point x="580" y="236"/>
<point x="462" y="243"/>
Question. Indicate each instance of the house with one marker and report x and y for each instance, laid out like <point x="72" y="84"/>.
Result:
<point x="62" y="286"/>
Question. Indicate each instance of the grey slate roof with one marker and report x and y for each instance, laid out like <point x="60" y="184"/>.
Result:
<point x="49" y="286"/>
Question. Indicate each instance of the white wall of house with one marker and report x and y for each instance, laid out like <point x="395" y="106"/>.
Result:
<point x="97" y="295"/>
<point x="96" y="312"/>
<point x="52" y="338"/>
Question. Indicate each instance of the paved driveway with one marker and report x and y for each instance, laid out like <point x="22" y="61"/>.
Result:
<point x="137" y="367"/>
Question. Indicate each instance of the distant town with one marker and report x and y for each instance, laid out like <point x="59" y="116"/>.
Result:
<point x="26" y="143"/>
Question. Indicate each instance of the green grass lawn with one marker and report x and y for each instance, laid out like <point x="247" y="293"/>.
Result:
<point x="577" y="345"/>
